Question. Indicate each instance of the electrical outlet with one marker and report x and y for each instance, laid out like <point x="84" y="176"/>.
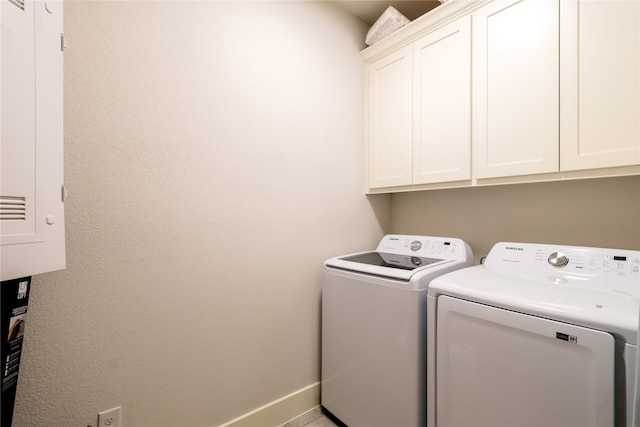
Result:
<point x="109" y="418"/>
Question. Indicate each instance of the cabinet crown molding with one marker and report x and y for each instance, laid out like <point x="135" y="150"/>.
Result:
<point x="430" y="21"/>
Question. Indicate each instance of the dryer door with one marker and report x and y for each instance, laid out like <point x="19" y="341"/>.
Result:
<point x="497" y="367"/>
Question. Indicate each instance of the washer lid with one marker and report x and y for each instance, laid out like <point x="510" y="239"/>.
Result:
<point x="401" y="257"/>
<point x="598" y="288"/>
<point x="382" y="259"/>
<point x="395" y="266"/>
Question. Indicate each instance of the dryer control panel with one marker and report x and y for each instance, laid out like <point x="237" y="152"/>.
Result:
<point x="531" y="258"/>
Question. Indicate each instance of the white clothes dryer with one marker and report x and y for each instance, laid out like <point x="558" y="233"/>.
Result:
<point x="373" y="329"/>
<point x="538" y="335"/>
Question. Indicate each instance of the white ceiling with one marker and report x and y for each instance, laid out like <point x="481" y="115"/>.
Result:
<point x="370" y="10"/>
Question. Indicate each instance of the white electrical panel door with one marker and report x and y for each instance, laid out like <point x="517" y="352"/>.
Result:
<point x="31" y="144"/>
<point x="17" y="114"/>
<point x="497" y="367"/>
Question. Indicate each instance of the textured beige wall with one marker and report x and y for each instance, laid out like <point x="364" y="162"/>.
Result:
<point x="593" y="212"/>
<point x="213" y="159"/>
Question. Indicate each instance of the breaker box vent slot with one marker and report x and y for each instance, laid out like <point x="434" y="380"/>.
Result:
<point x="19" y="3"/>
<point x="13" y="208"/>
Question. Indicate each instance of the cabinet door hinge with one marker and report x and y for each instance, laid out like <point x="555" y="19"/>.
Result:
<point x="63" y="43"/>
<point x="63" y="193"/>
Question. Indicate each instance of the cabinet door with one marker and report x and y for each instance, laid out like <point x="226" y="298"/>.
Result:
<point x="389" y="120"/>
<point x="442" y="104"/>
<point x="515" y="88"/>
<point x="600" y="84"/>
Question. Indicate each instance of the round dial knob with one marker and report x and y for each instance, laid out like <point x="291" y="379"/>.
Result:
<point x="558" y="259"/>
<point x="416" y="261"/>
<point x="415" y="245"/>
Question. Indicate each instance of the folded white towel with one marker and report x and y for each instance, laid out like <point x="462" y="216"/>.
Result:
<point x="390" y="21"/>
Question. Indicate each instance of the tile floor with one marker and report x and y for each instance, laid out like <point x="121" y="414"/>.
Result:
<point x="312" y="418"/>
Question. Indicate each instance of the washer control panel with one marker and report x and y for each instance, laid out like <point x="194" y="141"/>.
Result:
<point x="423" y="246"/>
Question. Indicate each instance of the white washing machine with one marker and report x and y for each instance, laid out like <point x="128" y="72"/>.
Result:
<point x="538" y="335"/>
<point x="373" y="329"/>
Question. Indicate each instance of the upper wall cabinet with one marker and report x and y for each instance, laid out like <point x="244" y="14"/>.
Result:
<point x="442" y="104"/>
<point x="419" y="110"/>
<point x="600" y="84"/>
<point x="504" y="91"/>
<point x="389" y="119"/>
<point x="515" y="88"/>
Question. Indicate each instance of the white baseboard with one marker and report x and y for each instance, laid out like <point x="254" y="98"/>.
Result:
<point x="280" y="411"/>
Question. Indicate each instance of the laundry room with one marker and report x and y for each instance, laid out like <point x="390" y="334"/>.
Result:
<point x="214" y="158"/>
